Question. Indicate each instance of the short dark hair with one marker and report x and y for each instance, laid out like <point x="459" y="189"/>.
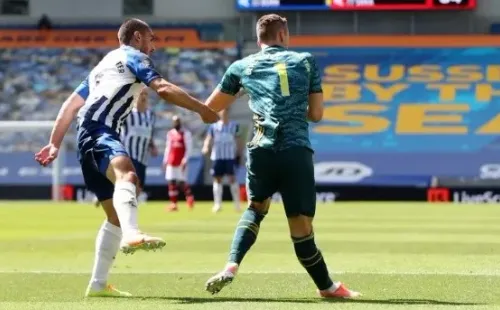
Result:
<point x="269" y="25"/>
<point x="128" y="27"/>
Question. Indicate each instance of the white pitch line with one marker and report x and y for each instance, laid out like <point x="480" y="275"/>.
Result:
<point x="495" y="273"/>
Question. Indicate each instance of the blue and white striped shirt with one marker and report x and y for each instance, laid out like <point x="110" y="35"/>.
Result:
<point x="112" y="86"/>
<point x="224" y="137"/>
<point x="137" y="134"/>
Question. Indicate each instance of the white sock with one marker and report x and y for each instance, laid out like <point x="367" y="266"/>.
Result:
<point x="217" y="188"/>
<point x="235" y="192"/>
<point x="107" y="244"/>
<point x="125" y="203"/>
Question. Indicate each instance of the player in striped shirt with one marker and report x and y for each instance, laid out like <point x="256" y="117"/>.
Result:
<point x="102" y="102"/>
<point x="223" y="138"/>
<point x="137" y="136"/>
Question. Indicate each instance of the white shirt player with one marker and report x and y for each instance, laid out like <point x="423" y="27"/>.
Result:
<point x="137" y="134"/>
<point x="112" y="86"/>
<point x="224" y="136"/>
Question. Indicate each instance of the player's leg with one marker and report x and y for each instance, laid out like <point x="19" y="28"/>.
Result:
<point x="108" y="238"/>
<point x="173" y="192"/>
<point x="122" y="173"/>
<point x="110" y="158"/>
<point x="298" y="191"/>
<point x="183" y="177"/>
<point x="261" y="184"/>
<point x="233" y="183"/>
<point x="217" y="186"/>
<point x="140" y="170"/>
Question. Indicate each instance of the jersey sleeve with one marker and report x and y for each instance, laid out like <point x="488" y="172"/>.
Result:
<point x="142" y="67"/>
<point x="231" y="81"/>
<point x="83" y="89"/>
<point x="314" y="75"/>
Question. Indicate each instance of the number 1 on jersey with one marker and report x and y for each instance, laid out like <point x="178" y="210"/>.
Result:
<point x="283" y="75"/>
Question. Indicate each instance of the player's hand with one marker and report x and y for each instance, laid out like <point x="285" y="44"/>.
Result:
<point x="208" y="115"/>
<point x="164" y="166"/>
<point x="47" y="154"/>
<point x="183" y="164"/>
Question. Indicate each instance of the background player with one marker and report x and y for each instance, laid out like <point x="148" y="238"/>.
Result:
<point x="137" y="136"/>
<point x="224" y="141"/>
<point x="285" y="91"/>
<point x="103" y="100"/>
<point x="175" y="162"/>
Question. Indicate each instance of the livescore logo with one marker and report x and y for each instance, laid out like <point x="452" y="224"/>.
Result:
<point x="438" y="194"/>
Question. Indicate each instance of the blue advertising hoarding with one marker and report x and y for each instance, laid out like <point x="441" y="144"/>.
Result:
<point x="402" y="115"/>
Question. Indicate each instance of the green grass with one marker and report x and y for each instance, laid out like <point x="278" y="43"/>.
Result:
<point x="399" y="255"/>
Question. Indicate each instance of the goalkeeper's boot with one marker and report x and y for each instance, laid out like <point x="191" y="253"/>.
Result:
<point x="216" y="283"/>
<point x="108" y="291"/>
<point x="139" y="241"/>
<point x="338" y="290"/>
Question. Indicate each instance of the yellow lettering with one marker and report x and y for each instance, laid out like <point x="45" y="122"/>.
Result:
<point x="447" y="92"/>
<point x="493" y="73"/>
<point x="385" y="94"/>
<point x="341" y="73"/>
<point x="485" y="92"/>
<point x="341" y="92"/>
<point x="425" y="73"/>
<point x="491" y="127"/>
<point x="396" y="73"/>
<point x="417" y="119"/>
<point x="354" y="123"/>
<point x="468" y="73"/>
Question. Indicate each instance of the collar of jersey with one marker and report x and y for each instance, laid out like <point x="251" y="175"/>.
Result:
<point x="273" y="48"/>
<point x="128" y="47"/>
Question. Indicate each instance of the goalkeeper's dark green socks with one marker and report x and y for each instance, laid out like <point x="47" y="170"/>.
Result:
<point x="245" y="234"/>
<point x="311" y="259"/>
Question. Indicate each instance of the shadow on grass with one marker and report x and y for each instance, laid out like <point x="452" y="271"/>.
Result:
<point x="207" y="300"/>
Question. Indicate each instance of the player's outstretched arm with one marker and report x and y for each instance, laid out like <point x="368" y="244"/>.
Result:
<point x="142" y="67"/>
<point x="219" y="100"/>
<point x="66" y="114"/>
<point x="172" y="93"/>
<point x="228" y="89"/>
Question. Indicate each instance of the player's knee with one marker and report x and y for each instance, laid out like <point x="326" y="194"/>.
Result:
<point x="300" y="226"/>
<point x="217" y="180"/>
<point x="260" y="207"/>
<point x="130" y="176"/>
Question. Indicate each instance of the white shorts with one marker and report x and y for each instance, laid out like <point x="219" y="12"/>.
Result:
<point x="175" y="173"/>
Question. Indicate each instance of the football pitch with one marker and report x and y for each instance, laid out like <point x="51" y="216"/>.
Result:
<point x="399" y="255"/>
